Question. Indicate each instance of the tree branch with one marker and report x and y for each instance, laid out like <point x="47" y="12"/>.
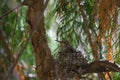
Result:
<point x="10" y="11"/>
<point x="101" y="66"/>
<point x="6" y="47"/>
<point x="86" y="27"/>
<point x="17" y="59"/>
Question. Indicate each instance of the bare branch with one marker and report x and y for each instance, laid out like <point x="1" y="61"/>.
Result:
<point x="6" y="46"/>
<point x="101" y="66"/>
<point x="10" y="11"/>
<point x="17" y="59"/>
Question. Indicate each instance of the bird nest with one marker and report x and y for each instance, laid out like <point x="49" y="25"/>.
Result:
<point x="70" y="64"/>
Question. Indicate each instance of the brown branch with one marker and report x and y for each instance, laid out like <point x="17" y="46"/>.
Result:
<point x="21" y="52"/>
<point x="101" y="66"/>
<point x="17" y="59"/>
<point x="86" y="27"/>
<point x="43" y="57"/>
<point x="6" y="47"/>
<point x="10" y="11"/>
<point x="108" y="75"/>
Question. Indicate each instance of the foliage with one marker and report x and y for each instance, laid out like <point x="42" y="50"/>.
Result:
<point x="89" y="25"/>
<point x="15" y="30"/>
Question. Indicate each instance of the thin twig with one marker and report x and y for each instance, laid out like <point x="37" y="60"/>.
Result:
<point x="89" y="35"/>
<point x="108" y="75"/>
<point x="17" y="59"/>
<point x="5" y="14"/>
<point x="6" y="47"/>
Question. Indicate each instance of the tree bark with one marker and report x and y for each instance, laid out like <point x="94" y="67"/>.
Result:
<point x="44" y="61"/>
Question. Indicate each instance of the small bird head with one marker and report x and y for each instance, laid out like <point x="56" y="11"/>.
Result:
<point x="64" y="45"/>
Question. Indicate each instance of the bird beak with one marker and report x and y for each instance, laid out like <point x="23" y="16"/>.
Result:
<point x="57" y="41"/>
